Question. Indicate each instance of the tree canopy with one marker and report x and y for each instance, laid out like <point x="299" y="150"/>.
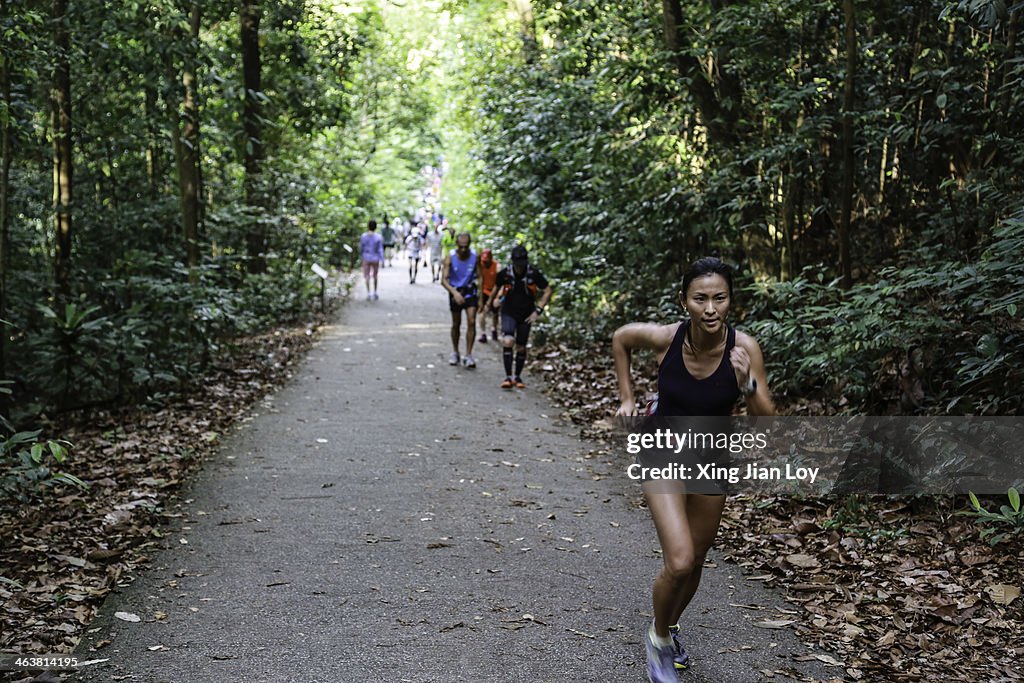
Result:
<point x="171" y="170"/>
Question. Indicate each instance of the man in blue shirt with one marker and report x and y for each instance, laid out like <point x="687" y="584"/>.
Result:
<point x="459" y="276"/>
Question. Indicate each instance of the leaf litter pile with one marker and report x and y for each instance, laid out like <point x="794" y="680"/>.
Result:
<point x="893" y="588"/>
<point x="63" y="553"/>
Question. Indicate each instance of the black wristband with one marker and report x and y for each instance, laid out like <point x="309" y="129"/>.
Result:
<point x="538" y="309"/>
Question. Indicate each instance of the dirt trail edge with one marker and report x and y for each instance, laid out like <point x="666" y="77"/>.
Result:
<point x="387" y="517"/>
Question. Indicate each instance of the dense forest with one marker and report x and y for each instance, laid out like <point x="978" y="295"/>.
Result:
<point x="172" y="169"/>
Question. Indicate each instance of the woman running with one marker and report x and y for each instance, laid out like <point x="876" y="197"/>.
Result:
<point x="704" y="366"/>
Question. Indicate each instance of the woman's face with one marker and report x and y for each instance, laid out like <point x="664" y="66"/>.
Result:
<point x="707" y="302"/>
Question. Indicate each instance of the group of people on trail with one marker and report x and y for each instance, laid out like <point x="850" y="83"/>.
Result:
<point x="516" y="295"/>
<point x="511" y="298"/>
<point x="419" y="237"/>
<point x="423" y="237"/>
<point x="705" y="366"/>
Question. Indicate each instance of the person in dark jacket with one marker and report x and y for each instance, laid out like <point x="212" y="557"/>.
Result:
<point x="521" y="292"/>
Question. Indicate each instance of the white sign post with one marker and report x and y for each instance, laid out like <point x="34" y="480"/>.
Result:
<point x="323" y="274"/>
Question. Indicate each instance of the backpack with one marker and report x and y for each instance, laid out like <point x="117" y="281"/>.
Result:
<point x="531" y="285"/>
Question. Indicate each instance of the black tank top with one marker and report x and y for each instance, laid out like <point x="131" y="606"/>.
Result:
<point x="679" y="393"/>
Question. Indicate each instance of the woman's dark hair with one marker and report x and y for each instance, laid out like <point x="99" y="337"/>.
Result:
<point x="707" y="266"/>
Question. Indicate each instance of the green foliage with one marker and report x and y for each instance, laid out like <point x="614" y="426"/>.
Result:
<point x="997" y="526"/>
<point x="347" y="126"/>
<point x="574" y="130"/>
<point x="72" y="346"/>
<point x="26" y="466"/>
<point x="852" y="518"/>
<point x="591" y="146"/>
<point x="848" y="345"/>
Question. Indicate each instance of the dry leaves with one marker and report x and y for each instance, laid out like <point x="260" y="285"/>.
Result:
<point x="61" y="556"/>
<point x="902" y="591"/>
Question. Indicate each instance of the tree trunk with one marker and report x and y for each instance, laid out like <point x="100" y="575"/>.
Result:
<point x="846" y="202"/>
<point x="256" y="239"/>
<point x="788" y="260"/>
<point x="1008" y="58"/>
<point x="62" y="147"/>
<point x="174" y="121"/>
<point x="188" y="170"/>
<point x="693" y="73"/>
<point x="149" y="111"/>
<point x="524" y="8"/>
<point x="5" y="188"/>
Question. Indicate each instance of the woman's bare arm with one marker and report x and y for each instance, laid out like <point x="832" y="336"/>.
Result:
<point x="657" y="338"/>
<point x="748" y="363"/>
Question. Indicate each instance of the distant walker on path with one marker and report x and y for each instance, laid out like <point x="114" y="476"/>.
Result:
<point x="371" y="250"/>
<point x="387" y="233"/>
<point x="413" y="243"/>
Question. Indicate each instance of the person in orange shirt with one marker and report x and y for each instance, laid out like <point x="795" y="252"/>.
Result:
<point x="488" y="270"/>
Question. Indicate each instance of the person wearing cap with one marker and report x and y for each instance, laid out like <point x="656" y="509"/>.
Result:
<point x="488" y="268"/>
<point x="522" y="292"/>
<point x="459" y="276"/>
<point x="414" y="243"/>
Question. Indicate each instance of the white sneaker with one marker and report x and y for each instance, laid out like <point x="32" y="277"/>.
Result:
<point x="469" y="361"/>
<point x="454" y="358"/>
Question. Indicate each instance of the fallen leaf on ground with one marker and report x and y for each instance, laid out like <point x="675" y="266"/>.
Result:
<point x="1003" y="594"/>
<point x="774" y="623"/>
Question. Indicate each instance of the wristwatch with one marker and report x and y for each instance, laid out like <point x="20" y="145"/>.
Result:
<point x="751" y="387"/>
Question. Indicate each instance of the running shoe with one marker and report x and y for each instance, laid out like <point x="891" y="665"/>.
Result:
<point x="454" y="358"/>
<point x="519" y="383"/>
<point x="375" y="296"/>
<point x="660" y="665"/>
<point x="508" y="383"/>
<point x="681" y="658"/>
<point x="483" y="338"/>
<point x="469" y="361"/>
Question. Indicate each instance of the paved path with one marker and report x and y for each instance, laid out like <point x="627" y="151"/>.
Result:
<point x="386" y="517"/>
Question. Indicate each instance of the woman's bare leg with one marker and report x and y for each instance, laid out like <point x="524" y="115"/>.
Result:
<point x="668" y="510"/>
<point x="704" y="514"/>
